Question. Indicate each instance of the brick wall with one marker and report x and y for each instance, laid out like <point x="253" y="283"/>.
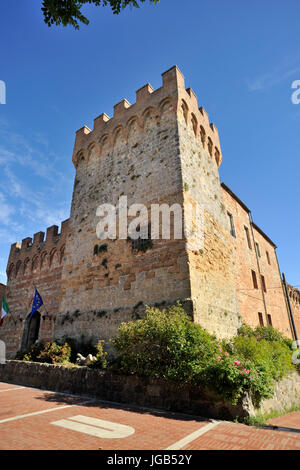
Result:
<point x="2" y="290"/>
<point x="36" y="262"/>
<point x="252" y="299"/>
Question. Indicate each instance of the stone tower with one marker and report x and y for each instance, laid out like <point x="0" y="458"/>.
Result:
<point x="160" y="150"/>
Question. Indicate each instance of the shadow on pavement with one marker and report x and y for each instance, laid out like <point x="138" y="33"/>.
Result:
<point x="91" y="402"/>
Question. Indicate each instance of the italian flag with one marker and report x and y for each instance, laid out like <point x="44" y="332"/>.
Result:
<point x="4" y="310"/>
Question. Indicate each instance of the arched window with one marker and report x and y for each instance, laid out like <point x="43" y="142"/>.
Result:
<point x="194" y="124"/>
<point x="185" y="110"/>
<point x="10" y="271"/>
<point x="217" y="156"/>
<point x="61" y="254"/>
<point x="149" y="119"/>
<point x="210" y="146"/>
<point x="104" y="143"/>
<point x="166" y="107"/>
<point x="18" y="266"/>
<point x="43" y="259"/>
<point x="80" y="157"/>
<point x="133" y="131"/>
<point x="26" y="264"/>
<point x="118" y="137"/>
<point x="91" y="149"/>
<point x="202" y="135"/>
<point x="53" y="258"/>
<point x="35" y="263"/>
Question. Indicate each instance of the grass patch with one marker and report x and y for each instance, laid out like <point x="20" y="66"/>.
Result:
<point x="261" y="419"/>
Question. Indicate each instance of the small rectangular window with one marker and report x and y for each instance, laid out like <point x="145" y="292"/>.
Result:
<point x="232" y="228"/>
<point x="268" y="257"/>
<point x="254" y="279"/>
<point x="257" y="249"/>
<point x="248" y="237"/>
<point x="261" y="319"/>
<point x="269" y="320"/>
<point x="263" y="283"/>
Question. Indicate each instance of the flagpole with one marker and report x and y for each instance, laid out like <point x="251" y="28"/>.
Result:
<point x="29" y="321"/>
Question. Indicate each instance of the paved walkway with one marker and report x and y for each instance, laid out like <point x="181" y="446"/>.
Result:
<point x="32" y="419"/>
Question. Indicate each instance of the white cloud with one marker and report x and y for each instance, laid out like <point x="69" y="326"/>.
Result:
<point x="26" y="203"/>
<point x="6" y="210"/>
<point x="17" y="150"/>
<point x="288" y="67"/>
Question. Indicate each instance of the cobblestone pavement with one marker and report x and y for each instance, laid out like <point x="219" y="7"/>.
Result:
<point x="33" y="419"/>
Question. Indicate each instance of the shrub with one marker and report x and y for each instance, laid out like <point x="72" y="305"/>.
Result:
<point x="245" y="330"/>
<point x="101" y="362"/>
<point x="265" y="332"/>
<point x="31" y="353"/>
<point x="231" y="378"/>
<point x="54" y="353"/>
<point x="49" y="352"/>
<point x="274" y="356"/>
<point x="165" y="344"/>
<point x="270" y="334"/>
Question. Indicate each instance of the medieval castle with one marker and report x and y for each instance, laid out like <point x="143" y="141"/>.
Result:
<point x="160" y="150"/>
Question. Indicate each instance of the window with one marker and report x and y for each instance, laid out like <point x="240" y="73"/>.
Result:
<point x="194" y="125"/>
<point x="260" y="318"/>
<point x="217" y="156"/>
<point x="257" y="249"/>
<point x="269" y="320"/>
<point x="185" y="110"/>
<point x="268" y="257"/>
<point x="232" y="229"/>
<point x="263" y="283"/>
<point x="248" y="237"/>
<point x="254" y="279"/>
<point x="202" y="135"/>
<point x="210" y="146"/>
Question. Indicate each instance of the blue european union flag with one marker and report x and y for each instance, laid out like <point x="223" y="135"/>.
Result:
<point x="37" y="302"/>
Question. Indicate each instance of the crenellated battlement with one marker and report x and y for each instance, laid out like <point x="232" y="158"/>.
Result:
<point x="172" y="95"/>
<point x="37" y="251"/>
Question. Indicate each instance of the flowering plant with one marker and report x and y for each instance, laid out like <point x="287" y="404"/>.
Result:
<point x="231" y="378"/>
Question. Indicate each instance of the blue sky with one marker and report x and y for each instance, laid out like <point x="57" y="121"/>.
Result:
<point x="240" y="58"/>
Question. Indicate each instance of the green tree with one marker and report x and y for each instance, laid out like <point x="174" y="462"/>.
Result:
<point x="68" y="12"/>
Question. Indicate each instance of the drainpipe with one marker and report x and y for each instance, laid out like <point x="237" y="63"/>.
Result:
<point x="289" y="308"/>
<point x="258" y="266"/>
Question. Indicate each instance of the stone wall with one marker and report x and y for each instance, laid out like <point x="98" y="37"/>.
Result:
<point x="133" y="154"/>
<point x="286" y="395"/>
<point x="36" y="262"/>
<point x="211" y="269"/>
<point x="150" y="393"/>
